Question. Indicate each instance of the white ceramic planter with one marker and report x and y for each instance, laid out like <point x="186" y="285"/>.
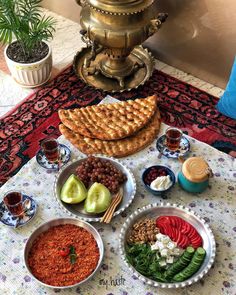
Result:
<point x="31" y="75"/>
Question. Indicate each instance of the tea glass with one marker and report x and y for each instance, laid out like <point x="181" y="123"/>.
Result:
<point x="51" y="149"/>
<point x="173" y="138"/>
<point x="13" y="200"/>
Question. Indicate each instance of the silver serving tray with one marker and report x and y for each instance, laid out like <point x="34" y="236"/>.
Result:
<point x="155" y="210"/>
<point x="44" y="227"/>
<point x="77" y="210"/>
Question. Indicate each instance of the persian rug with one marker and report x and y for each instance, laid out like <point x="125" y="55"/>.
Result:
<point x="35" y="118"/>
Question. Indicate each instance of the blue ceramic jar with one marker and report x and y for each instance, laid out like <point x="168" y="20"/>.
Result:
<point x="194" y="175"/>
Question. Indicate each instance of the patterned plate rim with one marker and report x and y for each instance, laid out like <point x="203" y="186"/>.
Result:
<point x="152" y="282"/>
<point x="61" y="145"/>
<point x="95" y="219"/>
<point x="174" y="155"/>
<point x="35" y="211"/>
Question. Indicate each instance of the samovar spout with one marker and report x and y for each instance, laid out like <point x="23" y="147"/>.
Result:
<point x="155" y="24"/>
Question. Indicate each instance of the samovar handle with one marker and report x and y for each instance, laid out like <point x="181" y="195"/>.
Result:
<point x="155" y="24"/>
<point x="81" y="2"/>
<point x="162" y="16"/>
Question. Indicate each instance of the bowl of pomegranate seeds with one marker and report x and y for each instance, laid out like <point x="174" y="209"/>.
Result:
<point x="158" y="179"/>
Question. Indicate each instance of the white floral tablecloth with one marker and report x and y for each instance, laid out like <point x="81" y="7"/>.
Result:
<point x="217" y="205"/>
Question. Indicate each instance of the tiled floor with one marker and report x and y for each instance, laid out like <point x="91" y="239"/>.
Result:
<point x="65" y="44"/>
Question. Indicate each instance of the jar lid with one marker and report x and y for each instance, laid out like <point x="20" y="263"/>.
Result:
<point x="196" y="169"/>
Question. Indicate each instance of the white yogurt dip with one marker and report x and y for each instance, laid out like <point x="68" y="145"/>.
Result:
<point x="161" y="183"/>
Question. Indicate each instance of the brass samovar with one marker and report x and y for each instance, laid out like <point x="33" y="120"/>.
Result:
<point x="113" y="30"/>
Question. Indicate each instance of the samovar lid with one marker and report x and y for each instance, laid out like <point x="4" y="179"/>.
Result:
<point x="120" y="6"/>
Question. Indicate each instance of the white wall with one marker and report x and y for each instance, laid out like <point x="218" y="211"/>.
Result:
<point x="68" y="8"/>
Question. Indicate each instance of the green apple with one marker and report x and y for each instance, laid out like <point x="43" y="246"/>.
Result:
<point x="98" y="199"/>
<point x="73" y="190"/>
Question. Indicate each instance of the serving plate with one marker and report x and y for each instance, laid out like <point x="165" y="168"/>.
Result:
<point x="77" y="210"/>
<point x="59" y="221"/>
<point x="155" y="210"/>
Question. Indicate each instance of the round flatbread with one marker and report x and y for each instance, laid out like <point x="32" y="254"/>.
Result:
<point x="115" y="148"/>
<point x="110" y="121"/>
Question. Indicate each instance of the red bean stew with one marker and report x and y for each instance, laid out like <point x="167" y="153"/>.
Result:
<point x="63" y="255"/>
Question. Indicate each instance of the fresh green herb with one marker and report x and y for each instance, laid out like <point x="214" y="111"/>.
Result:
<point x="73" y="255"/>
<point x="145" y="261"/>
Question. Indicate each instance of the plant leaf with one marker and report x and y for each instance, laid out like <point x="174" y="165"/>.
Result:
<point x="23" y="20"/>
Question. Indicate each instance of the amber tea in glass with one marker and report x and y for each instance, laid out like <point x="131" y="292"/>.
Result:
<point x="14" y="203"/>
<point x="173" y="137"/>
<point x="50" y="148"/>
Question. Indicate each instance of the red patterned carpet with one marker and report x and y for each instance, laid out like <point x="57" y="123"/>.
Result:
<point x="181" y="105"/>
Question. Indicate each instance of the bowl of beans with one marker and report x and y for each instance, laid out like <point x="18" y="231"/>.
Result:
<point x="158" y="179"/>
<point x="64" y="253"/>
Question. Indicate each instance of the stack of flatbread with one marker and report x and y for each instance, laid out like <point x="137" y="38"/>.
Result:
<point x="117" y="129"/>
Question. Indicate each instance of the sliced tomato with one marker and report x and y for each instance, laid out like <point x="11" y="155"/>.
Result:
<point x="185" y="242"/>
<point x="182" y="241"/>
<point x="163" y="219"/>
<point x="64" y="252"/>
<point x="161" y="229"/>
<point x="180" y="222"/>
<point x="184" y="229"/>
<point x="188" y="228"/>
<point x="197" y="242"/>
<point x="197" y="237"/>
<point x="173" y="221"/>
<point x="180" y="237"/>
<point x="192" y="233"/>
<point x="176" y="234"/>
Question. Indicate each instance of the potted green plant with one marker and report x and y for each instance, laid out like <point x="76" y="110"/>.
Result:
<point x="25" y="29"/>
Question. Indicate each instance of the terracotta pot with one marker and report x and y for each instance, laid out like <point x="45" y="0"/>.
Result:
<point x="30" y="75"/>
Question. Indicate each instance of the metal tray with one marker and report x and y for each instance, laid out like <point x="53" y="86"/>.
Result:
<point x="77" y="210"/>
<point x="44" y="227"/>
<point x="155" y="210"/>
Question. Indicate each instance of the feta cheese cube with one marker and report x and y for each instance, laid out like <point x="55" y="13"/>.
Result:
<point x="170" y="259"/>
<point x="159" y="236"/>
<point x="162" y="263"/>
<point x="176" y="251"/>
<point x="171" y="245"/>
<point x="160" y="245"/>
<point x="154" y="247"/>
<point x="164" y="252"/>
<point x="165" y="240"/>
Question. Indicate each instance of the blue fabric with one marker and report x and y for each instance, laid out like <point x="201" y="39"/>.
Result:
<point x="227" y="103"/>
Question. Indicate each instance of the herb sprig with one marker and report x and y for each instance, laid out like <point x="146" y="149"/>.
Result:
<point x="73" y="255"/>
<point x="145" y="261"/>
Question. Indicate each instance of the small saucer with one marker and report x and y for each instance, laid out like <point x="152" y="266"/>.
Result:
<point x="8" y="219"/>
<point x="43" y="162"/>
<point x="182" y="151"/>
